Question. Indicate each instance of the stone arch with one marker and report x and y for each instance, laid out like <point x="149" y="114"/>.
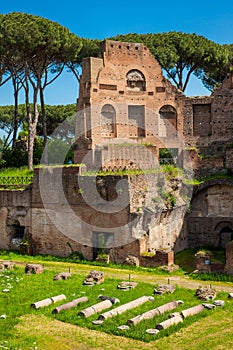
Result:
<point x="108" y="121"/>
<point x="224" y="230"/>
<point x="210" y="221"/>
<point x="135" y="80"/>
<point x="167" y="121"/>
<point x="16" y="232"/>
<point x="14" y="228"/>
<point x="213" y="182"/>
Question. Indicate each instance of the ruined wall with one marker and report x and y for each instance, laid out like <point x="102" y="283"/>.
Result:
<point x="151" y="111"/>
<point x="161" y="258"/>
<point x="58" y="217"/>
<point x="15" y="210"/>
<point x="50" y="221"/>
<point x="113" y="106"/>
<point x="207" y="165"/>
<point x="132" y="156"/>
<point x="208" y="120"/>
<point x="210" y="222"/>
<point x="229" y="258"/>
<point x="222" y="111"/>
<point x="197" y="116"/>
<point x="117" y="206"/>
<point x="168" y="231"/>
<point x="120" y="253"/>
<point x="208" y="130"/>
<point x="159" y="220"/>
<point x="229" y="159"/>
<point x="67" y="207"/>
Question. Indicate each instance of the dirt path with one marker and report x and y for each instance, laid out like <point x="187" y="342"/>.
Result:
<point x="147" y="277"/>
<point x="181" y="281"/>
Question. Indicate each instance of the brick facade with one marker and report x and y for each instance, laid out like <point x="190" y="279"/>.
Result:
<point x="124" y="97"/>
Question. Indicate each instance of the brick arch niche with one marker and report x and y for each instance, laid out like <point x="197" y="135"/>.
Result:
<point x="135" y="80"/>
<point x="108" y="121"/>
<point x="210" y="222"/>
<point x="167" y="121"/>
<point x="225" y="232"/>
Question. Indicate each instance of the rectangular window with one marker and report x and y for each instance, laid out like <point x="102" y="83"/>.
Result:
<point x="168" y="156"/>
<point x="160" y="89"/>
<point x="102" y="243"/>
<point x="202" y="119"/>
<point x="136" y="118"/>
<point x="107" y="87"/>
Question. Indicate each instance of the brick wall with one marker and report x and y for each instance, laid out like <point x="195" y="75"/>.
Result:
<point x="161" y="258"/>
<point x="106" y="79"/>
<point x="15" y="210"/>
<point x="211" y="214"/>
<point x="54" y="222"/>
<point x="200" y="122"/>
<point x="229" y="258"/>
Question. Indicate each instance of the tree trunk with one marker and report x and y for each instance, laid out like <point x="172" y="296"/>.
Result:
<point x="31" y="135"/>
<point x="44" y="121"/>
<point x="32" y="123"/>
<point x="31" y="118"/>
<point x="5" y="144"/>
<point x="28" y="115"/>
<point x="16" y="112"/>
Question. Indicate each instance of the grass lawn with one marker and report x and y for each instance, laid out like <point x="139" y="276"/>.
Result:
<point x="26" y="328"/>
<point x="22" y="171"/>
<point x="12" y="178"/>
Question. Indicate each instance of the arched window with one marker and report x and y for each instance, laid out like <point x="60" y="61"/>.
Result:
<point x="226" y="235"/>
<point x="135" y="80"/>
<point x="168" y="121"/>
<point x="108" y="123"/>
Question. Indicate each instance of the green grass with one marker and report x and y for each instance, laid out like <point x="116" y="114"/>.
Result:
<point x="17" y="172"/>
<point x="75" y="258"/>
<point x="27" y="289"/>
<point x="14" y="178"/>
<point x="185" y="259"/>
<point x="168" y="169"/>
<point x="26" y="328"/>
<point x="212" y="277"/>
<point x="202" y="180"/>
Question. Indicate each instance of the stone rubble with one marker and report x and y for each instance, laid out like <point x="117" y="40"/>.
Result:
<point x="94" y="277"/>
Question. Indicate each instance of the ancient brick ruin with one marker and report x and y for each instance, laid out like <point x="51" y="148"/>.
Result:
<point x="129" y="116"/>
<point x="124" y="96"/>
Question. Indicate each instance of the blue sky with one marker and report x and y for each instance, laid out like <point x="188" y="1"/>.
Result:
<point x="102" y="19"/>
